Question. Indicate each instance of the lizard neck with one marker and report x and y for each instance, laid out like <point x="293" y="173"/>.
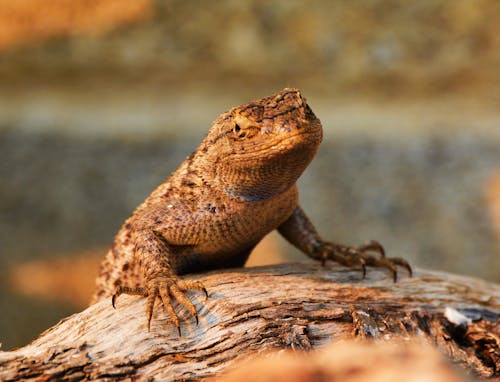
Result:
<point x="269" y="175"/>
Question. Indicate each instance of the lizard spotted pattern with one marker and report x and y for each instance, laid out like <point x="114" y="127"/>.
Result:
<point x="223" y="199"/>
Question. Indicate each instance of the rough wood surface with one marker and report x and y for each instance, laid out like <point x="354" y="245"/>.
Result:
<point x="299" y="306"/>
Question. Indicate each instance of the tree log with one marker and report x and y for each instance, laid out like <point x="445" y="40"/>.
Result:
<point x="252" y="310"/>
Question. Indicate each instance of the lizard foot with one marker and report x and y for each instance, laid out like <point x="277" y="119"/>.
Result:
<point x="362" y="256"/>
<point x="165" y="288"/>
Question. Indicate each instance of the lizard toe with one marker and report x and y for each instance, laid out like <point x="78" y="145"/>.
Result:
<point x="167" y="289"/>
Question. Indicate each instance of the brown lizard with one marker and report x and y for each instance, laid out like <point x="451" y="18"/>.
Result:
<point x="223" y="199"/>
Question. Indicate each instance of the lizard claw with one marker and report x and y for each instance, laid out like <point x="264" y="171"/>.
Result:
<point x="402" y="263"/>
<point x="139" y="291"/>
<point x="372" y="245"/>
<point x="166" y="288"/>
<point x="361" y="256"/>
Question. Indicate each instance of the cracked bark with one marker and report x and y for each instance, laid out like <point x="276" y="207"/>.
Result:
<point x="249" y="311"/>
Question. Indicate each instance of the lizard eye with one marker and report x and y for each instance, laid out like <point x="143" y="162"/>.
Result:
<point x="243" y="127"/>
<point x="238" y="131"/>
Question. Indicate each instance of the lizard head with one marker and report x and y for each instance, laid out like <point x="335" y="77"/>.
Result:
<point x="260" y="149"/>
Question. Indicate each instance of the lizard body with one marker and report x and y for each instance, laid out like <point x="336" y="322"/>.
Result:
<point x="223" y="199"/>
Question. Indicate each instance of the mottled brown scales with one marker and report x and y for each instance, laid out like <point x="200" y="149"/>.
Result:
<point x="223" y="199"/>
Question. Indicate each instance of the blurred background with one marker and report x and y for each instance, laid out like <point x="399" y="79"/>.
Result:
<point x="100" y="100"/>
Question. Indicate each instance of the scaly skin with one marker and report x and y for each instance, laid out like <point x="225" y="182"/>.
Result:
<point x="223" y="199"/>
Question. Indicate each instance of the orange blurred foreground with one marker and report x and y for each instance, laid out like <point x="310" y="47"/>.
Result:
<point x="349" y="361"/>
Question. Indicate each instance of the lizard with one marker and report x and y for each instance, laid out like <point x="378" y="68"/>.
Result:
<point x="239" y="185"/>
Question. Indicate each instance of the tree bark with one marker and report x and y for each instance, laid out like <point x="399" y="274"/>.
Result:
<point x="252" y="310"/>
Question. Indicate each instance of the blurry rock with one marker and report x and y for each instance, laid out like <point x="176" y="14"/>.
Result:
<point x="69" y="279"/>
<point x="24" y="21"/>
<point x="267" y="252"/>
<point x="430" y="47"/>
<point x="492" y="191"/>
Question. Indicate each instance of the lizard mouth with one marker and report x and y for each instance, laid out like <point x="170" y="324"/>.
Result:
<point x="299" y="139"/>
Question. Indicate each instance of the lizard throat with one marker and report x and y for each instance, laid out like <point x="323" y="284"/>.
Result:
<point x="254" y="180"/>
<point x="255" y="194"/>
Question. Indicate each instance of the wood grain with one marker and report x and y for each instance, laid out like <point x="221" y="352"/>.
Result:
<point x="255" y="310"/>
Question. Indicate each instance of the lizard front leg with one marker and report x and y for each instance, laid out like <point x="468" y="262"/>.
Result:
<point x="160" y="279"/>
<point x="299" y="231"/>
